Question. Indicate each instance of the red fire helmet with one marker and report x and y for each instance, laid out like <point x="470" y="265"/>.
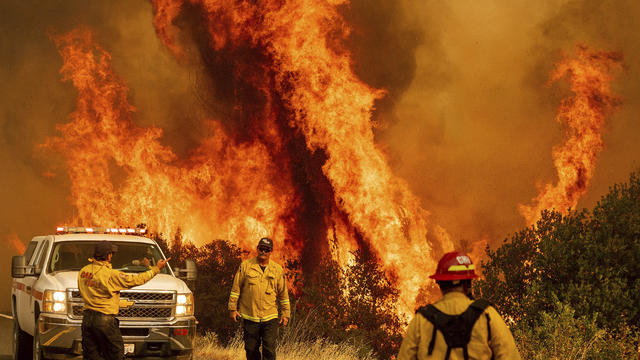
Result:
<point x="455" y="266"/>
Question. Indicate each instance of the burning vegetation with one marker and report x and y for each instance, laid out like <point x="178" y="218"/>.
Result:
<point x="292" y="154"/>
<point x="294" y="159"/>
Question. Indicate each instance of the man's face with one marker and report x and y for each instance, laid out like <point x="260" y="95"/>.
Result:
<point x="263" y="252"/>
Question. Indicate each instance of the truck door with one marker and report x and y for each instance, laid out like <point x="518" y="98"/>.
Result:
<point x="27" y="321"/>
<point x="39" y="266"/>
<point x="22" y="299"/>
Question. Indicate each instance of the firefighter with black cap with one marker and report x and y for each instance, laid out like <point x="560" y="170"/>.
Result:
<point x="456" y="327"/>
<point x="259" y="296"/>
<point x="100" y="287"/>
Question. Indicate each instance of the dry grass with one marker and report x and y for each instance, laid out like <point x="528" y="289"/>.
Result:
<point x="297" y="343"/>
<point x="207" y="347"/>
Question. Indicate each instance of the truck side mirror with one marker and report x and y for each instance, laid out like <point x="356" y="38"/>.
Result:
<point x="189" y="272"/>
<point x="18" y="267"/>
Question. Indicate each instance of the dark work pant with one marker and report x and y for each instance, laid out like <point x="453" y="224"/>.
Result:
<point x="101" y="337"/>
<point x="256" y="333"/>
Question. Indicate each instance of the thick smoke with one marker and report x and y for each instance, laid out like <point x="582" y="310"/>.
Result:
<point x="383" y="46"/>
<point x="473" y="132"/>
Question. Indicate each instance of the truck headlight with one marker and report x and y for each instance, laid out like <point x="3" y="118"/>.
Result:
<point x="184" y="304"/>
<point x="54" y="302"/>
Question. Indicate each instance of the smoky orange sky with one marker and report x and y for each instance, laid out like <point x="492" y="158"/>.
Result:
<point x="468" y="120"/>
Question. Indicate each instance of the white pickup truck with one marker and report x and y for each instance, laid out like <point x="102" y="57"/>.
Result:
<point x="156" y="319"/>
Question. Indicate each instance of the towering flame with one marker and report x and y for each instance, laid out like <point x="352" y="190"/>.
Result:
<point x="295" y="159"/>
<point x="583" y="115"/>
<point x="226" y="190"/>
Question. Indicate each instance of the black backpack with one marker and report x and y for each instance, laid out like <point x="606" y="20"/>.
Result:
<point x="455" y="328"/>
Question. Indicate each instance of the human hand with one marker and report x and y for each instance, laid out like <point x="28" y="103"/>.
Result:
<point x="234" y="315"/>
<point x="284" y="321"/>
<point x="146" y="262"/>
<point x="162" y="263"/>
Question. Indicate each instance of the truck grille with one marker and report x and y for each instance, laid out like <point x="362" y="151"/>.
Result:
<point x="147" y="304"/>
<point x="133" y="312"/>
<point x="131" y="295"/>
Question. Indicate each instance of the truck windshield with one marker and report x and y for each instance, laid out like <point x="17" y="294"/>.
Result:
<point x="131" y="257"/>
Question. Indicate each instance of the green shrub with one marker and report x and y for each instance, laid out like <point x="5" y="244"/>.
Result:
<point x="588" y="259"/>
<point x="562" y="335"/>
<point x="569" y="285"/>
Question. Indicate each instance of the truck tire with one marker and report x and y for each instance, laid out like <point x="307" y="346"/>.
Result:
<point x="37" y="347"/>
<point x="22" y="343"/>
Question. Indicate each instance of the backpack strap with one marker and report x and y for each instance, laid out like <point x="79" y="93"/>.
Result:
<point x="470" y="316"/>
<point x="480" y="304"/>
<point x="431" y="313"/>
<point x="474" y="311"/>
<point x="489" y="330"/>
<point x="484" y="304"/>
<point x="446" y="356"/>
<point x="433" y="340"/>
<point x="493" y="356"/>
<point x="439" y="320"/>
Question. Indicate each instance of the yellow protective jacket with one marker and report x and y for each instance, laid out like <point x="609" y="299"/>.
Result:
<point x="257" y="295"/>
<point x="100" y="285"/>
<point x="416" y="342"/>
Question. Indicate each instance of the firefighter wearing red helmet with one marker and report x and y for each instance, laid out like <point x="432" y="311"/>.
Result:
<point x="457" y="327"/>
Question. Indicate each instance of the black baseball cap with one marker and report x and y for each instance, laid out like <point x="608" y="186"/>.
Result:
<point x="266" y="242"/>
<point x="104" y="248"/>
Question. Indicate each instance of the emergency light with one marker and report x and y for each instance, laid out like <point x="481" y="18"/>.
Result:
<point x="98" y="230"/>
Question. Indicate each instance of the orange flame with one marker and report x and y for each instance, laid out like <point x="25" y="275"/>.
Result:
<point x="584" y="116"/>
<point x="17" y="244"/>
<point x="304" y="169"/>
<point x="196" y="194"/>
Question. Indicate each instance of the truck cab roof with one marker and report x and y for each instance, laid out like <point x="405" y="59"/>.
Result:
<point x="101" y="237"/>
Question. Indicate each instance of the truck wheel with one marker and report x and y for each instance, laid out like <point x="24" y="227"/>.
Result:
<point x="37" y="348"/>
<point x="22" y="343"/>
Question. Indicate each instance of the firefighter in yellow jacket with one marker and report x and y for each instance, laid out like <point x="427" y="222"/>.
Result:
<point x="456" y="327"/>
<point x="259" y="296"/>
<point x="100" y="287"/>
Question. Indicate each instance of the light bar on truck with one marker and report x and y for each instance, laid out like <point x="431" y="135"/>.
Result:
<point x="98" y="230"/>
